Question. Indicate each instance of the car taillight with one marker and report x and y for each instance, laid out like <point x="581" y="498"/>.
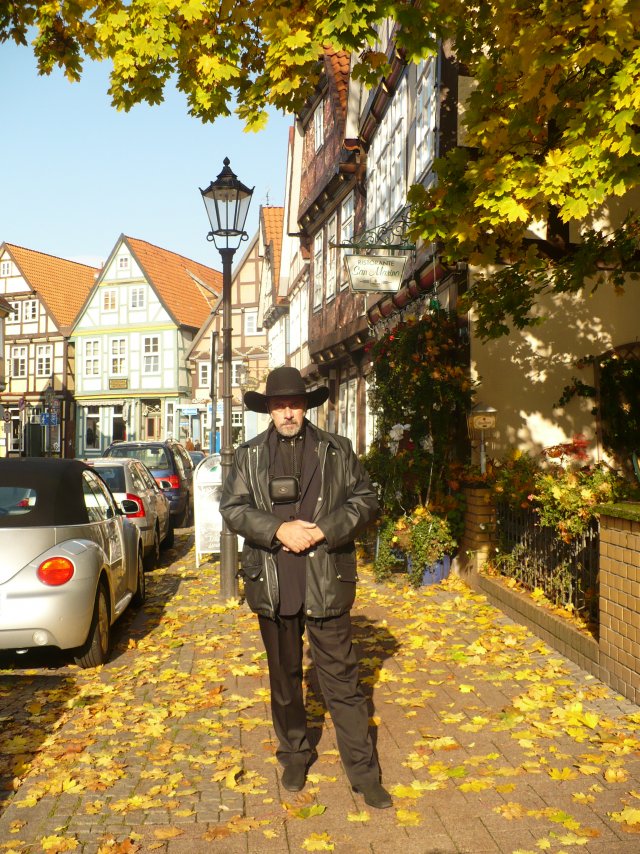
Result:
<point x="172" y="479"/>
<point x="55" y="571"/>
<point x="139" y="514"/>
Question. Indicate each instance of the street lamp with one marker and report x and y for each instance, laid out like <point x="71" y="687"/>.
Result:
<point x="227" y="203"/>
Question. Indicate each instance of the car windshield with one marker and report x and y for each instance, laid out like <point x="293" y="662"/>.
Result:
<point x="113" y="476"/>
<point x="153" y="458"/>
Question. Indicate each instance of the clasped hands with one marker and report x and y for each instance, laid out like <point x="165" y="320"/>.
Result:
<point x="298" y="536"/>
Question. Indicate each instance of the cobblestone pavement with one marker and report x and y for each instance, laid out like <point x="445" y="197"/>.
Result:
<point x="488" y="739"/>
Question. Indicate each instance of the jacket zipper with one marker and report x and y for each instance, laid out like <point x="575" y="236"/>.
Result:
<point x="255" y="483"/>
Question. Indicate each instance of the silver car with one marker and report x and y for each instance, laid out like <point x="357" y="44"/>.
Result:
<point x="70" y="561"/>
<point x="141" y="499"/>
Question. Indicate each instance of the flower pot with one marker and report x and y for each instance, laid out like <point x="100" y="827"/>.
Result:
<point x="437" y="572"/>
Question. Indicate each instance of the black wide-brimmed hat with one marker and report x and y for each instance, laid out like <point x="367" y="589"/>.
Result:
<point x="284" y="382"/>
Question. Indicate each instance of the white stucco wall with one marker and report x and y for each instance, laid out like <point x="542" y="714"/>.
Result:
<point x="524" y="374"/>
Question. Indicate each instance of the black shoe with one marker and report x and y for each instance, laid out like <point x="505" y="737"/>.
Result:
<point x="294" y="777"/>
<point x="375" y="795"/>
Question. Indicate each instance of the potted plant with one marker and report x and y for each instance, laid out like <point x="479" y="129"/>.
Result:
<point x="420" y="544"/>
<point x="430" y="548"/>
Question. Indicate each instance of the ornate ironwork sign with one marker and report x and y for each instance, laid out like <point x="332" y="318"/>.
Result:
<point x="373" y="267"/>
<point x="390" y="235"/>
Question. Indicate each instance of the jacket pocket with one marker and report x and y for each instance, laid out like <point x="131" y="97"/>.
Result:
<point x="251" y="562"/>
<point x="345" y="565"/>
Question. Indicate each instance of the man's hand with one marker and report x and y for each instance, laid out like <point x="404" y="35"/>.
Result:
<point x="298" y="536"/>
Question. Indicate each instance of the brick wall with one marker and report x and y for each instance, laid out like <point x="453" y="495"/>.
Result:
<point x="614" y="657"/>
<point x="620" y="604"/>
<point x="479" y="532"/>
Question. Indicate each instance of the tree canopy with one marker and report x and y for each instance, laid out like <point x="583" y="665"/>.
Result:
<point x="553" y="124"/>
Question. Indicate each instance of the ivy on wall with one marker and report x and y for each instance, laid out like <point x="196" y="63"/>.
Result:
<point x="420" y="395"/>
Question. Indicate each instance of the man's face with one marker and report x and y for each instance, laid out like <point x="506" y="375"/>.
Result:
<point x="287" y="414"/>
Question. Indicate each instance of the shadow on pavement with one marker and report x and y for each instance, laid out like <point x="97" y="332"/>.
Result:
<point x="161" y="588"/>
<point x="374" y="644"/>
<point x="31" y="706"/>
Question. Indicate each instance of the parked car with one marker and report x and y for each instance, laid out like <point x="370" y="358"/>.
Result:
<point x="171" y="466"/>
<point x="196" y="457"/>
<point x="142" y="500"/>
<point x="71" y="561"/>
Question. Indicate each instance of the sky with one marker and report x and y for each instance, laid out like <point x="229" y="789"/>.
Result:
<point x="76" y="173"/>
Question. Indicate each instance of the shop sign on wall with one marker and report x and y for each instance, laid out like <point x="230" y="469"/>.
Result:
<point x="375" y="273"/>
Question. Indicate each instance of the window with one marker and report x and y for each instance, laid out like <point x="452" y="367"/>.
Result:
<point x="118" y="351"/>
<point x="92" y="435"/>
<point x="137" y="297"/>
<point x="123" y="262"/>
<point x="237" y="369"/>
<point x="14" y="317"/>
<point x="318" y="126"/>
<point x="5" y="268"/>
<point x="204" y="372"/>
<point x="347" y="226"/>
<point x="318" y="268"/>
<point x="332" y="256"/>
<point x="294" y="322"/>
<point x="236" y="419"/>
<point x="44" y="360"/>
<point x="151" y="354"/>
<point x="109" y="300"/>
<point x="92" y="358"/>
<point x="96" y="498"/>
<point x="170" y="418"/>
<point x="18" y="362"/>
<point x="426" y="108"/>
<point x="387" y="162"/>
<point x="30" y="310"/>
<point x="251" y="322"/>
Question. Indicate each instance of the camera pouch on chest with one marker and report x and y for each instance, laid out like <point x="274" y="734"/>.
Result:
<point x="284" y="490"/>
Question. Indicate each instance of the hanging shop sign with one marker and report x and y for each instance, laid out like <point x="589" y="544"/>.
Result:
<point x="376" y="273"/>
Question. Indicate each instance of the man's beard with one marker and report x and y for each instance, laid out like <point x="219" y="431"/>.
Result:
<point x="290" y="431"/>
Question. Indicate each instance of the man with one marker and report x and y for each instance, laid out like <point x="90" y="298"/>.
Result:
<point x="299" y="496"/>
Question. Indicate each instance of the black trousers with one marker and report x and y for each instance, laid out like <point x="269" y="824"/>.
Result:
<point x="336" y="664"/>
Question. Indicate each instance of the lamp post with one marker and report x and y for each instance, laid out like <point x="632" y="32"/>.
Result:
<point x="481" y="419"/>
<point x="227" y="203"/>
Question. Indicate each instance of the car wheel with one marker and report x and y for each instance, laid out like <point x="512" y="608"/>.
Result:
<point x="141" y="588"/>
<point x="95" y="649"/>
<point x="168" y="541"/>
<point x="153" y="558"/>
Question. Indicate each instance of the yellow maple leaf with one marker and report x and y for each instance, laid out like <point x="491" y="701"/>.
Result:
<point x="358" y="816"/>
<point x="616" y="775"/>
<point x="57" y="844"/>
<point x="629" y="815"/>
<point x="476" y="785"/>
<point x="318" y="842"/>
<point x="582" y="798"/>
<point x="563" y="774"/>
<point x="407" y="818"/>
<point x="167" y="832"/>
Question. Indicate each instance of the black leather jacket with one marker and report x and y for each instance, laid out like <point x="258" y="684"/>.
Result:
<point x="347" y="503"/>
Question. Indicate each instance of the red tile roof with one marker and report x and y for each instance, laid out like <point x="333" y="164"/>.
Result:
<point x="273" y="218"/>
<point x="62" y="285"/>
<point x="177" y="281"/>
<point x="339" y="64"/>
